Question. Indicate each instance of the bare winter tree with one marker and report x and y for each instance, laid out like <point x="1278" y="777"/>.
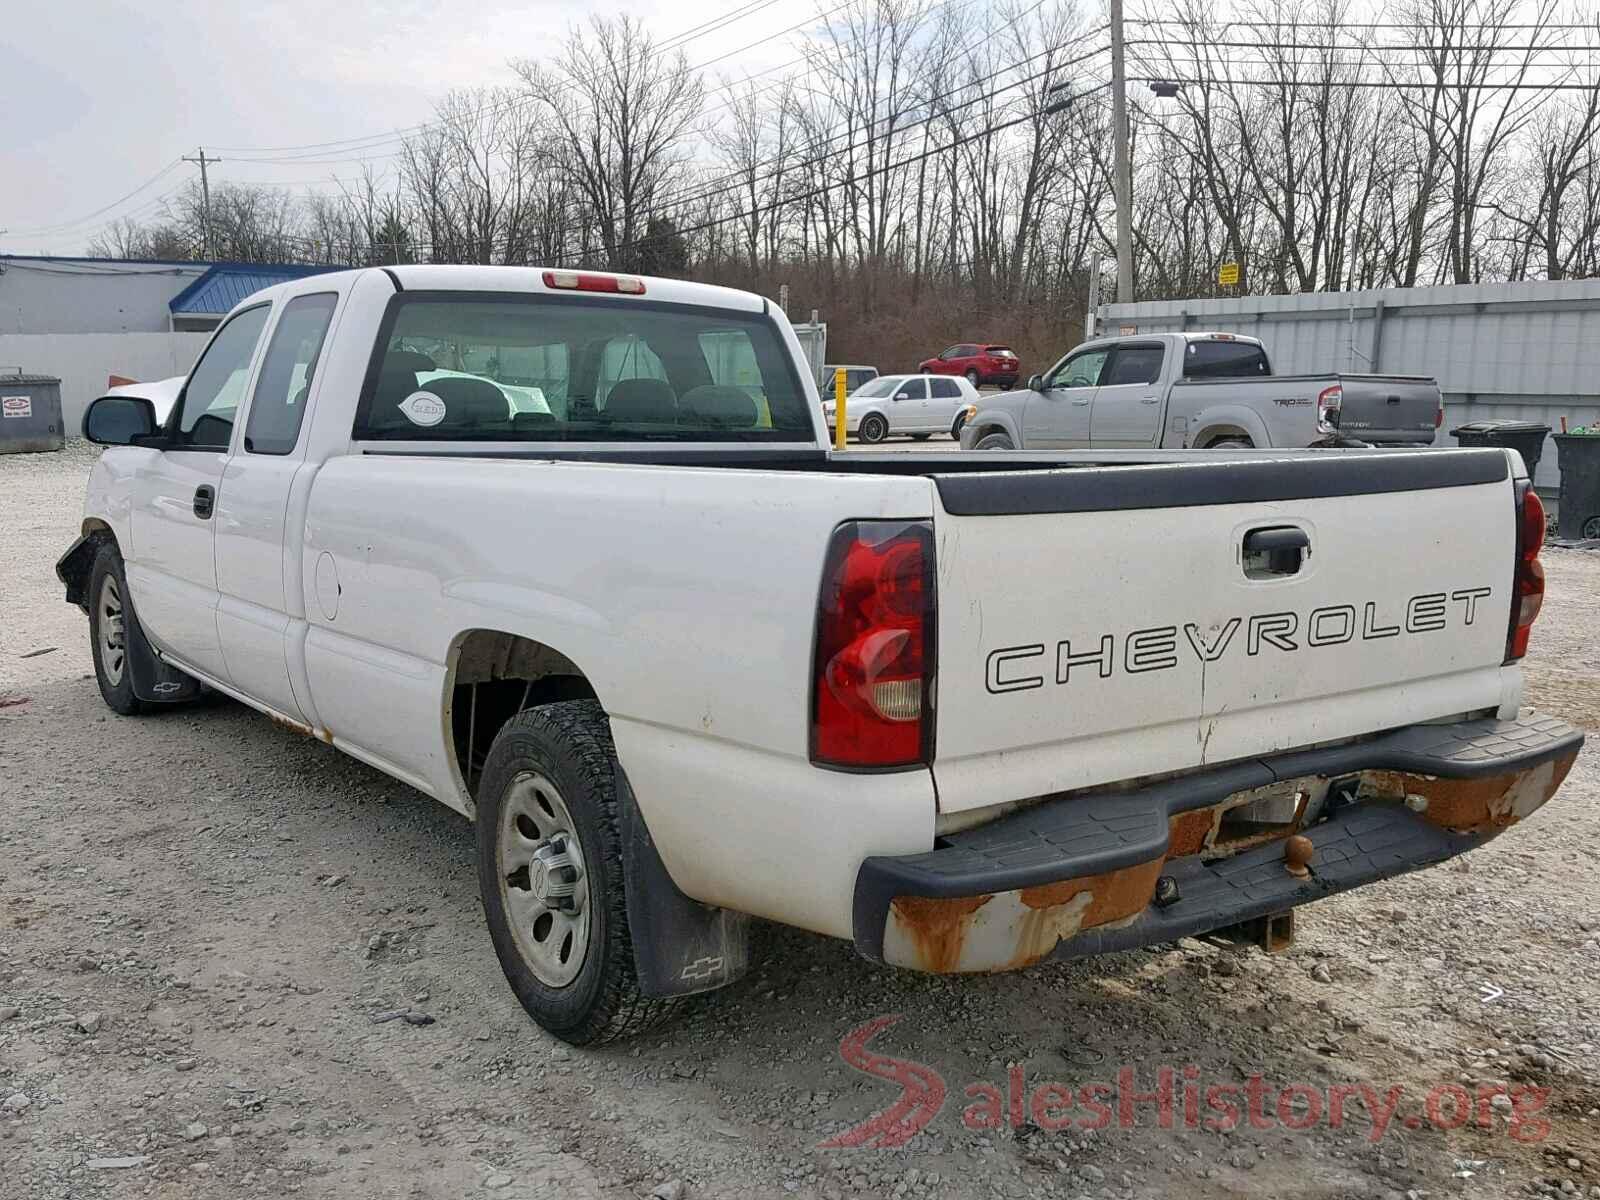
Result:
<point x="621" y="114"/>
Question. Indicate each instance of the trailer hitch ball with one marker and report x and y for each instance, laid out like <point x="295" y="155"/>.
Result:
<point x="1297" y="852"/>
<point x="1416" y="803"/>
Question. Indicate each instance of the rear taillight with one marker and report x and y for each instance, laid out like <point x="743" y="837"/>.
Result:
<point x="1527" y="587"/>
<point x="871" y="704"/>
<point x="1438" y="414"/>
<point x="584" y="281"/>
<point x="1329" y="401"/>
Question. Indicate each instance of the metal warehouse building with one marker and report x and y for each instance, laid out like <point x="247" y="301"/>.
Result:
<point x="1525" y="350"/>
<point x="87" y="319"/>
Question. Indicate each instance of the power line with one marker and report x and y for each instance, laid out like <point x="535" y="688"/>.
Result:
<point x="65" y="226"/>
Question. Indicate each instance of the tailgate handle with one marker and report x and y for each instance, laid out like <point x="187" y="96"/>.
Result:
<point x="1392" y="399"/>
<point x="1275" y="551"/>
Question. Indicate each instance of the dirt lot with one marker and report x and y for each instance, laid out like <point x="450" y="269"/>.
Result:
<point x="201" y="916"/>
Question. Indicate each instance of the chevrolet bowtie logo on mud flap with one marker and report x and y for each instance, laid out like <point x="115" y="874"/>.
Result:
<point x="702" y="968"/>
<point x="1163" y="647"/>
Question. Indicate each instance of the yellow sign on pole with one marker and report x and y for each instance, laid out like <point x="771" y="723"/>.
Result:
<point x="1228" y="274"/>
<point x="838" y="408"/>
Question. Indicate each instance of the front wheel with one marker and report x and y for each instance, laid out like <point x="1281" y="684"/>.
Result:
<point x="994" y="441"/>
<point x="972" y="378"/>
<point x="108" y="632"/>
<point x="874" y="428"/>
<point x="550" y="871"/>
<point x="956" y="425"/>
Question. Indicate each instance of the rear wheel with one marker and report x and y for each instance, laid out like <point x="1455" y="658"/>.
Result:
<point x="994" y="441"/>
<point x="1591" y="528"/>
<point x="874" y="428"/>
<point x="550" y="871"/>
<point x="972" y="377"/>
<point x="108" y="632"/>
<point x="1232" y="444"/>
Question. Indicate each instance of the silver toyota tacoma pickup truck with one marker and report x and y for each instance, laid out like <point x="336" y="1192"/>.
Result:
<point x="1200" y="391"/>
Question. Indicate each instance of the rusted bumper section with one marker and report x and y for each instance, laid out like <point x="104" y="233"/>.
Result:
<point x="1089" y="873"/>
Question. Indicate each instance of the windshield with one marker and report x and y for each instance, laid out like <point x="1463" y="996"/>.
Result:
<point x="532" y="368"/>
<point x="884" y="385"/>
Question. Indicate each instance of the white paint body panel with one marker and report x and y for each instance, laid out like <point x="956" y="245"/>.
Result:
<point x="1086" y="576"/>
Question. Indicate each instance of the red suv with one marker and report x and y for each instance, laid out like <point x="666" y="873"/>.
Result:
<point x="979" y="363"/>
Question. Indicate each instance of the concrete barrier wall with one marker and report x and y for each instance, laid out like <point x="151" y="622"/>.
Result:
<point x="82" y="361"/>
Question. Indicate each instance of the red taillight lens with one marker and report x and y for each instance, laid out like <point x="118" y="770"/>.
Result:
<point x="872" y="684"/>
<point x="584" y="281"/>
<point x="1438" y="414"/>
<point x="1527" y="591"/>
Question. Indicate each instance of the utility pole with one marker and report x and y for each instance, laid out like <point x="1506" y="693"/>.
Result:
<point x="205" y="186"/>
<point x="1122" y="185"/>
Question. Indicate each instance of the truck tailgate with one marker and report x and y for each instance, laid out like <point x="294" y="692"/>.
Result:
<point x="1389" y="408"/>
<point x="1098" y="624"/>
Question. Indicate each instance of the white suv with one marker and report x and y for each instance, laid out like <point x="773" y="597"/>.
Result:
<point x="919" y="405"/>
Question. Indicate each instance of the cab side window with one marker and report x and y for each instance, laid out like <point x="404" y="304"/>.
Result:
<point x="216" y="385"/>
<point x="1081" y="370"/>
<point x="279" y="404"/>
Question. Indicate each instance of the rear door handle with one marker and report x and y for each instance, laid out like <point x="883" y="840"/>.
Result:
<point x="1083" y="401"/>
<point x="1149" y="399"/>
<point x="205" y="499"/>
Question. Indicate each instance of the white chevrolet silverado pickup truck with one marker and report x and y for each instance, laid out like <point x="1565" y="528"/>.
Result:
<point x="568" y="553"/>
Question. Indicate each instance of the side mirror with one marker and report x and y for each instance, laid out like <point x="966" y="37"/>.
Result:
<point x="120" y="421"/>
<point x="1036" y="383"/>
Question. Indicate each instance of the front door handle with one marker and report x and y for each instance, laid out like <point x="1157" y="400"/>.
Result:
<point x="205" y="499"/>
<point x="1083" y="401"/>
<point x="1149" y="399"/>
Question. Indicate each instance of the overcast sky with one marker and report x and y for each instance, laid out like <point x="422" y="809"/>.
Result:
<point x="98" y="97"/>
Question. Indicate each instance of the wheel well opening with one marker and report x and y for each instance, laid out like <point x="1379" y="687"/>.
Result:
<point x="1221" y="433"/>
<point x="495" y="676"/>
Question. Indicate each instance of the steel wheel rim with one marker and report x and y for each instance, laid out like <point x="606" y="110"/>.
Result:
<point x="1591" y="527"/>
<point x="543" y="880"/>
<point x="111" y="638"/>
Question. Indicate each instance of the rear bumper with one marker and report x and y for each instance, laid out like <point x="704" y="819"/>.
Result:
<point x="1077" y="875"/>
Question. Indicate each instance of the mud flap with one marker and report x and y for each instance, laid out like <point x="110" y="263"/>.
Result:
<point x="680" y="946"/>
<point x="153" y="680"/>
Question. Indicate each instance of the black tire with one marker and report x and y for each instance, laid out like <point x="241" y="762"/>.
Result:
<point x="1232" y="444"/>
<point x="1591" y="528"/>
<point x="114" y="674"/>
<point x="956" y="425"/>
<point x="873" y="428"/>
<point x="994" y="441"/>
<point x="972" y="377"/>
<point x="570" y="745"/>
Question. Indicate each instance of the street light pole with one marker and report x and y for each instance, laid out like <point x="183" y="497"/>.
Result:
<point x="1122" y="185"/>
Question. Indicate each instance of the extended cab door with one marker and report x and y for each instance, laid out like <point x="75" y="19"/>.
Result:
<point x="1127" y="404"/>
<point x="172" y="573"/>
<point x="1058" y="416"/>
<point x="256" y="604"/>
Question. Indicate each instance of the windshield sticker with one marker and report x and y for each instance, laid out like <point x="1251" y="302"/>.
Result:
<point x="423" y="408"/>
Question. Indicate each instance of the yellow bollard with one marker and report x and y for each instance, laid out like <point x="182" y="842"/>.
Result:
<point x="838" y="408"/>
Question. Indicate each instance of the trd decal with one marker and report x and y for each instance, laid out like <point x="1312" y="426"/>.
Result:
<point x="1161" y="648"/>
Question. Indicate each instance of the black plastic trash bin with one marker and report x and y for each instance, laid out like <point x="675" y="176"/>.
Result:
<point x="1525" y="437"/>
<point x="1579" y="456"/>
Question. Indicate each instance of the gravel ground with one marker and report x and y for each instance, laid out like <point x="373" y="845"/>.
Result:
<point x="201" y="916"/>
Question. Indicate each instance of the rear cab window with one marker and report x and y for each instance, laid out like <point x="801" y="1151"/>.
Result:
<point x="1214" y="359"/>
<point x="468" y="366"/>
